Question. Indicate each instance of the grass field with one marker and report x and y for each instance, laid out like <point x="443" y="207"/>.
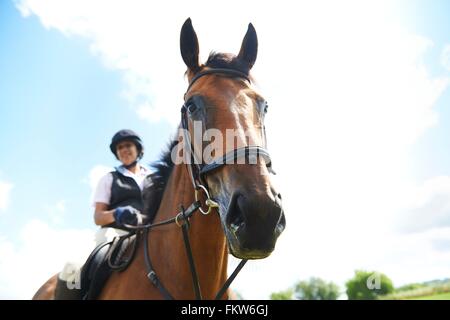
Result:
<point x="441" y="296"/>
<point x="433" y="291"/>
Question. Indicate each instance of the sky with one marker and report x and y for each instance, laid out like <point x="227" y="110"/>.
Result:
<point x="357" y="128"/>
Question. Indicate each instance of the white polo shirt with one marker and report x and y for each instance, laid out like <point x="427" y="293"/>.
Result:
<point x="103" y="191"/>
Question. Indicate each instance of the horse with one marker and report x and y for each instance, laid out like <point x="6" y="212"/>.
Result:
<point x="227" y="205"/>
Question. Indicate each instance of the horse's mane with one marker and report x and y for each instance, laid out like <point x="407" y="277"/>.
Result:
<point x="227" y="61"/>
<point x="157" y="181"/>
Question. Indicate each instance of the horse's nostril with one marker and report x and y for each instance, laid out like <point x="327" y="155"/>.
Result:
<point x="238" y="221"/>
<point x="279" y="196"/>
<point x="235" y="217"/>
<point x="235" y="226"/>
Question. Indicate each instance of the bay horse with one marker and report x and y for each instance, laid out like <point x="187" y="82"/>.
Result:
<point x="242" y="211"/>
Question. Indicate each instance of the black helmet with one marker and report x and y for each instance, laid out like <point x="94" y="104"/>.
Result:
<point x="130" y="135"/>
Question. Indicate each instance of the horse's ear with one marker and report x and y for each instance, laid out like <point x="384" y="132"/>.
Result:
<point x="249" y="47"/>
<point x="189" y="46"/>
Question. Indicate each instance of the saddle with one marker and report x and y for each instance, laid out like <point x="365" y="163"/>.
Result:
<point x="115" y="255"/>
<point x="111" y="256"/>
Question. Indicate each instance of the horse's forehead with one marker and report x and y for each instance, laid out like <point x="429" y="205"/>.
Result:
<point x="238" y="113"/>
<point x="229" y="93"/>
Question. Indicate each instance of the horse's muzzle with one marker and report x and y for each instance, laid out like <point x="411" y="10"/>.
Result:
<point x="253" y="223"/>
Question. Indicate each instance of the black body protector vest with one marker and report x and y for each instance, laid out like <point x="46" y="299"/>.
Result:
<point x="124" y="192"/>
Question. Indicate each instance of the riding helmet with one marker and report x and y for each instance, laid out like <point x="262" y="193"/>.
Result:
<point x="126" y="134"/>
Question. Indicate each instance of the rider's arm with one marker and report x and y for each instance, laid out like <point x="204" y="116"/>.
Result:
<point x="103" y="216"/>
<point x="101" y="199"/>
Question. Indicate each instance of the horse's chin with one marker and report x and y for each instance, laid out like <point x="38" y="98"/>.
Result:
<point x="240" y="252"/>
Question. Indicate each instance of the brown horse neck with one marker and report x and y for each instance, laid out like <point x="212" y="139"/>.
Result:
<point x="207" y="240"/>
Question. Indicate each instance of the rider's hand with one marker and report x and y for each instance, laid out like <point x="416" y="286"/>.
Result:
<point x="128" y="216"/>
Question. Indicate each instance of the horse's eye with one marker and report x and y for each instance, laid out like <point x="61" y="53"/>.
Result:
<point x="191" y="107"/>
<point x="266" y="106"/>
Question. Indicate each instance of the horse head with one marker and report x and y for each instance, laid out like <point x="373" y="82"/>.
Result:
<point x="235" y="166"/>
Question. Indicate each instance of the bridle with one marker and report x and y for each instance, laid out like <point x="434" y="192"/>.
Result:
<point x="197" y="172"/>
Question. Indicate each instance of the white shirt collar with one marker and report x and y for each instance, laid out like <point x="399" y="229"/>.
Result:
<point x="143" y="171"/>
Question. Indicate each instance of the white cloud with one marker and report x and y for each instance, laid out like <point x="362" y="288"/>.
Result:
<point x="445" y="57"/>
<point x="95" y="174"/>
<point x="56" y="212"/>
<point x="40" y="253"/>
<point x="429" y="207"/>
<point x="349" y="95"/>
<point x="135" y="37"/>
<point x="5" y="190"/>
<point x="415" y="257"/>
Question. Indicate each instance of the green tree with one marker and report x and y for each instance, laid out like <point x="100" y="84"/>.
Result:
<point x="368" y="285"/>
<point x="282" y="295"/>
<point x="316" y="289"/>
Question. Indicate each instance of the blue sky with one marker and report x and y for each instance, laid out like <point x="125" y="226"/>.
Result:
<point x="59" y="108"/>
<point x="432" y="150"/>
<point x="356" y="99"/>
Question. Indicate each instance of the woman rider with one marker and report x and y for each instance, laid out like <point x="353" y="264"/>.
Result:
<point x="117" y="201"/>
<point x="118" y="197"/>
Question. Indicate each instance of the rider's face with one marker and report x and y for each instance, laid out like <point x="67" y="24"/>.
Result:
<point x="126" y="152"/>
